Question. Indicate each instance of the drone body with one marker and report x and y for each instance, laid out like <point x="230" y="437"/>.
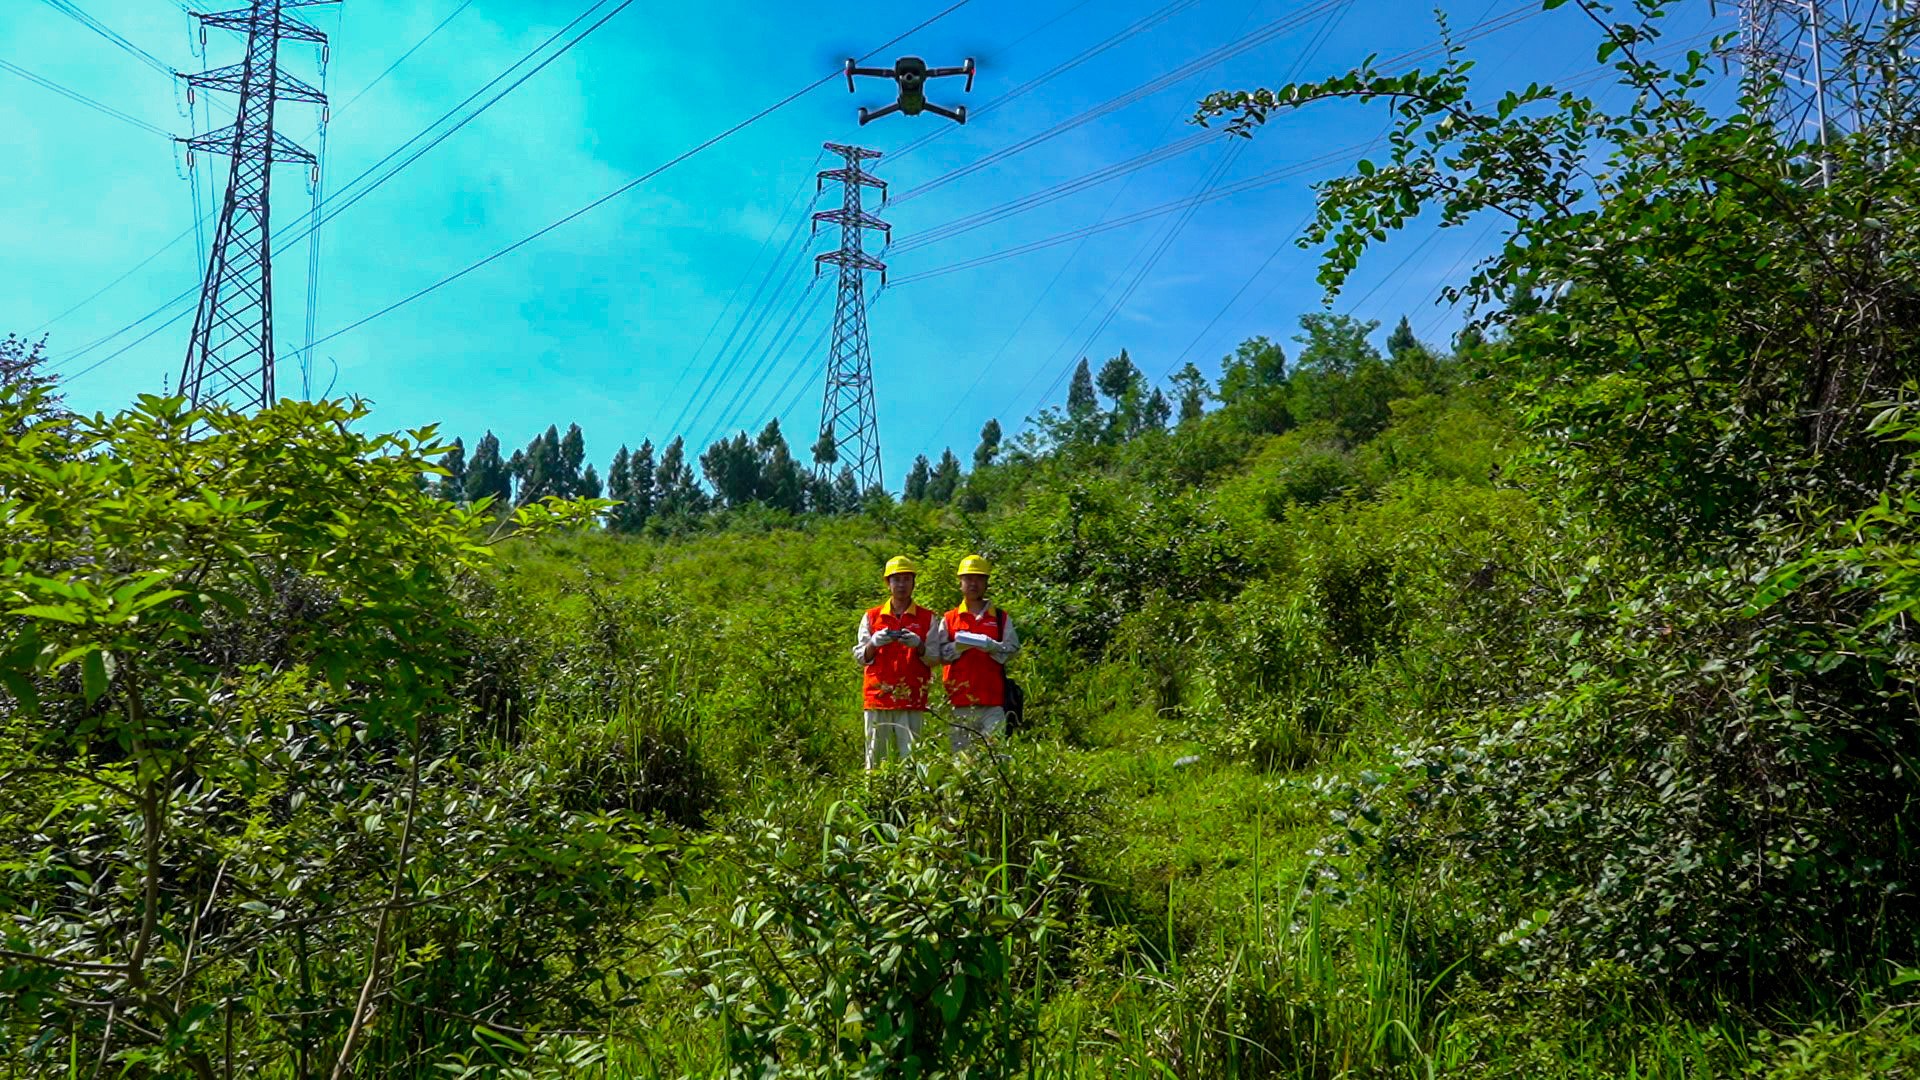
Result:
<point x="910" y="74"/>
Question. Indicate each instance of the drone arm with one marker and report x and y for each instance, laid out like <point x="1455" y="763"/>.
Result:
<point x="853" y="70"/>
<point x="867" y="117"/>
<point x="958" y="116"/>
<point x="964" y="69"/>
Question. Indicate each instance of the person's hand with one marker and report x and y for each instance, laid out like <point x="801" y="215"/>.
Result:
<point x="909" y="637"/>
<point x="885" y="637"/>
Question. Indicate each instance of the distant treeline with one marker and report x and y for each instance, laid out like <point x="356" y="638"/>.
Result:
<point x="1338" y="376"/>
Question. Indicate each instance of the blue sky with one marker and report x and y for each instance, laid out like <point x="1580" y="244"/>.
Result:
<point x="610" y="320"/>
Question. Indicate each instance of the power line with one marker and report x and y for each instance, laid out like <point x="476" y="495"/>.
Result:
<point x="1573" y="78"/>
<point x="415" y="47"/>
<point x="1213" y="58"/>
<point x="758" y="375"/>
<point x="1262" y="180"/>
<point x="719" y="364"/>
<point x="79" y="15"/>
<point x="1008" y="209"/>
<point x="416" y="155"/>
<point x="1285" y="240"/>
<point x="726" y="361"/>
<point x="629" y="185"/>
<point x="1059" y="272"/>
<point x="1214" y="177"/>
<point x="746" y="276"/>
<point x="813" y="349"/>
<point x="785" y="348"/>
<point x="1166" y="242"/>
<point x="797" y="317"/>
<point x="343" y="189"/>
<point x="1136" y="28"/>
<point x="1153" y="19"/>
<point x="335" y="211"/>
<point x="75" y="95"/>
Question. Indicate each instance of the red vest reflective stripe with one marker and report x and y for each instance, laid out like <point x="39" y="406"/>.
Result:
<point x="898" y="678"/>
<point x="975" y="678"/>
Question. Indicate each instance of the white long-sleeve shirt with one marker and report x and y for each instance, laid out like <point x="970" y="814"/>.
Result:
<point x="1001" y="651"/>
<point x="932" y="648"/>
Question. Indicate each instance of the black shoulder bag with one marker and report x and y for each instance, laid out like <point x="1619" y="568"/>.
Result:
<point x="1014" y="700"/>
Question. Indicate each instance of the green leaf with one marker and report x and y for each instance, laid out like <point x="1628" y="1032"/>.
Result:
<point x="93" y="675"/>
<point x="49" y="611"/>
<point x="21" y="688"/>
<point x="1777" y="585"/>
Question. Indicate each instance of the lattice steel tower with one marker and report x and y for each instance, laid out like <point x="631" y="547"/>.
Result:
<point x="1846" y="67"/>
<point x="846" y="413"/>
<point x="230" y="358"/>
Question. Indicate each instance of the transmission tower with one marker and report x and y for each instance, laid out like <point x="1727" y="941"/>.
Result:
<point x="1845" y="67"/>
<point x="230" y="358"/>
<point x="846" y="414"/>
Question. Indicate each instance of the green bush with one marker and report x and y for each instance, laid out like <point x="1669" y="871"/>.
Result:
<point x="234" y="794"/>
<point x="868" y="948"/>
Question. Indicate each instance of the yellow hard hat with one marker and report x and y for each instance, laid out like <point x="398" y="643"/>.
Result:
<point x="899" y="564"/>
<point x="973" y="564"/>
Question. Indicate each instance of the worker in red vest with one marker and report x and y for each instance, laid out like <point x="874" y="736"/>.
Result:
<point x="897" y="642"/>
<point x="980" y="639"/>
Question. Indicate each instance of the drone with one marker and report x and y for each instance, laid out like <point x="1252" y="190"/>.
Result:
<point x="912" y="73"/>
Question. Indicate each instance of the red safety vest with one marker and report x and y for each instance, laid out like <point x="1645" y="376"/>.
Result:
<point x="898" y="678"/>
<point x="975" y="678"/>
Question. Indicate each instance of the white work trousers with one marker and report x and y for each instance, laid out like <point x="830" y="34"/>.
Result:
<point x="891" y="732"/>
<point x="974" y="723"/>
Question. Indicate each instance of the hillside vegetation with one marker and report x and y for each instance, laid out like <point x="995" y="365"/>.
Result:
<point x="1538" y="706"/>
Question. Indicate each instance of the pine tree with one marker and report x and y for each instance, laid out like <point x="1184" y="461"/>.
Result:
<point x="732" y="469"/>
<point x="819" y="493"/>
<point x="1120" y="380"/>
<point x="945" y="479"/>
<point x="541" y="468"/>
<point x="487" y="475"/>
<point x="846" y="491"/>
<point x="917" y="479"/>
<point x="517" y="472"/>
<point x="620" y="490"/>
<point x="1082" y="406"/>
<point x="781" y="486"/>
<point x="825" y="450"/>
<point x="453" y="486"/>
<point x="1156" y="412"/>
<point x="640" y="486"/>
<point x="1401" y="339"/>
<point x="989" y="447"/>
<point x="1193" y="390"/>
<point x="676" y="492"/>
<point x="573" y="454"/>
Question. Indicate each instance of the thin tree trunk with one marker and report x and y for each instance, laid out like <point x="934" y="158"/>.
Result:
<point x="363" y="1008"/>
